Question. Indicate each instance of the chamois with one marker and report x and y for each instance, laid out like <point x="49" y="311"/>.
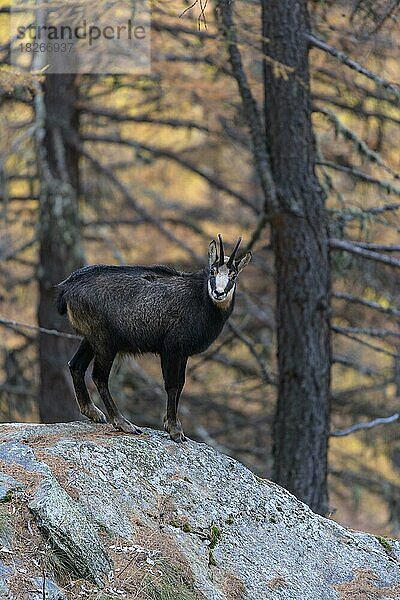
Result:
<point x="146" y="309"/>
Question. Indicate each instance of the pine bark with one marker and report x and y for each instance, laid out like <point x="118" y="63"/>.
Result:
<point x="300" y="238"/>
<point x="59" y="236"/>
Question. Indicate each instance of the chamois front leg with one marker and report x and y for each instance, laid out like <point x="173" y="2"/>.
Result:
<point x="173" y="370"/>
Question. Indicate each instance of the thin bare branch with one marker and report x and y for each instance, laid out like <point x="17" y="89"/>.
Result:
<point x="379" y="333"/>
<point x="347" y="332"/>
<point x="122" y="117"/>
<point x="357" y="174"/>
<point x="352" y="64"/>
<point x="352" y="248"/>
<point x="376" y="210"/>
<point x="357" y="109"/>
<point x="251" y="112"/>
<point x="369" y="303"/>
<point x="366" y="425"/>
<point x="131" y="200"/>
<point x="250" y="345"/>
<point x="17" y="326"/>
<point x="361" y="146"/>
<point x="169" y="154"/>
<point x="174" y="29"/>
<point x="349" y="363"/>
<point x="377" y="247"/>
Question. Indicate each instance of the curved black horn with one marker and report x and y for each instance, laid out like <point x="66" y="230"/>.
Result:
<point x="221" y="251"/>
<point x="233" y="255"/>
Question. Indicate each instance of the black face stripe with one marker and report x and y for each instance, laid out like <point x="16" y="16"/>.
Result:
<point x="230" y="285"/>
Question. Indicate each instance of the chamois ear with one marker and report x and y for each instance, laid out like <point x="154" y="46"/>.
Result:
<point x="243" y="262"/>
<point x="212" y="253"/>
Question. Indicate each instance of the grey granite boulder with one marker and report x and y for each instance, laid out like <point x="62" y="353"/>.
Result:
<point x="107" y="515"/>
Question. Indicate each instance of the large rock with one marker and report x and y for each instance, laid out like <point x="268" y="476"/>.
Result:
<point x="91" y="513"/>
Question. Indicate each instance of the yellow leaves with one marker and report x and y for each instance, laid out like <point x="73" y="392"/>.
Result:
<point x="371" y="294"/>
<point x="10" y="79"/>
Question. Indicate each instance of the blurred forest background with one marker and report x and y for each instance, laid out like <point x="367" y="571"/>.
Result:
<point x="154" y="166"/>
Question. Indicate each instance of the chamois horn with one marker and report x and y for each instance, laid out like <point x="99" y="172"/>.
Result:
<point x="233" y="255"/>
<point x="221" y="251"/>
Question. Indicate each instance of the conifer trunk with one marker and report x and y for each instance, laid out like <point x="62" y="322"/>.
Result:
<point x="300" y="238"/>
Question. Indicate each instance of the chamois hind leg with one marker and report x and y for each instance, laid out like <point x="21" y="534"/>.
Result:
<point x="173" y="370"/>
<point x="78" y="366"/>
<point x="101" y="373"/>
<point x="182" y="379"/>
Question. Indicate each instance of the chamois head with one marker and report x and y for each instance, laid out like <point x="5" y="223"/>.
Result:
<point x="223" y="272"/>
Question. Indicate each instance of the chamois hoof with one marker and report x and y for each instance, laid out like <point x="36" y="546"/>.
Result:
<point x="178" y="437"/>
<point x="123" y="424"/>
<point x="94" y="414"/>
<point x="175" y="430"/>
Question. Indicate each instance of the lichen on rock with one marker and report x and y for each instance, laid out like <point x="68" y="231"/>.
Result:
<point x="102" y="514"/>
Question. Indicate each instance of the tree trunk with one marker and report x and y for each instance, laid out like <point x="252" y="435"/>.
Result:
<point x="59" y="234"/>
<point x="301" y="258"/>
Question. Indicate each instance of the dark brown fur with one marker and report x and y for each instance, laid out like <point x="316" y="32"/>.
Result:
<point x="137" y="310"/>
